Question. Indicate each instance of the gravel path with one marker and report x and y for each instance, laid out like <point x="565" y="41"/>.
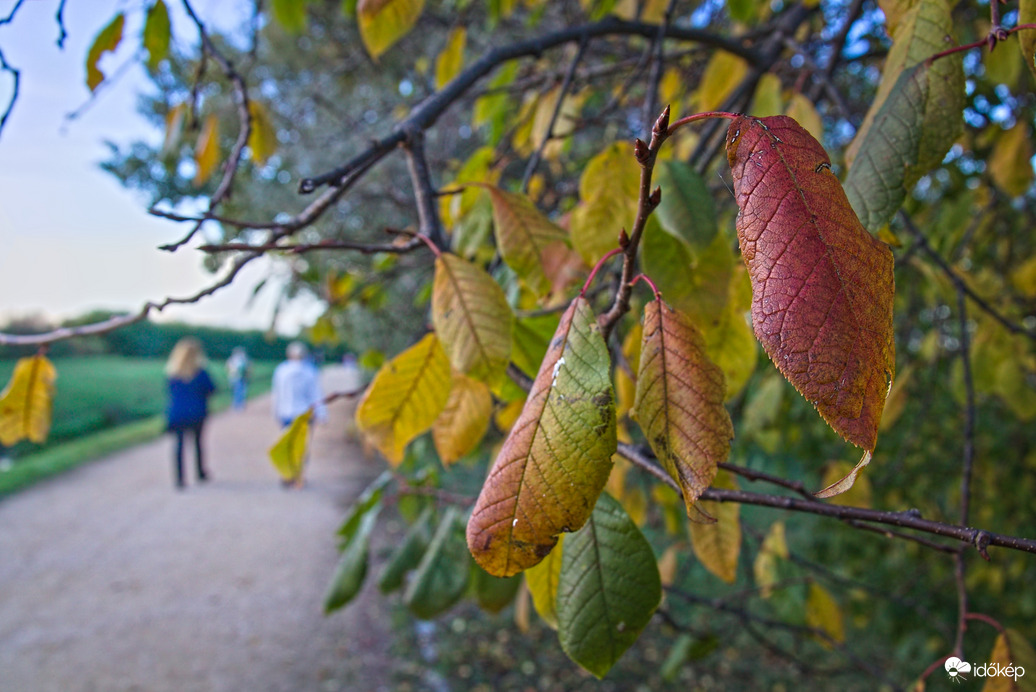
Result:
<point x="112" y="581"/>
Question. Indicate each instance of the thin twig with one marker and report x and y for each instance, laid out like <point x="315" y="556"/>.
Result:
<point x="657" y="64"/>
<point x="967" y="465"/>
<point x="301" y="248"/>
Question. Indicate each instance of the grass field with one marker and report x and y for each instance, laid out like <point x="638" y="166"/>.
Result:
<point x="103" y="404"/>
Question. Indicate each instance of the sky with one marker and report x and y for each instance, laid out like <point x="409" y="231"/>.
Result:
<point x="72" y="239"/>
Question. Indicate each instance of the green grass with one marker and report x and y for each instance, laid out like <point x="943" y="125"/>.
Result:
<point x="103" y="404"/>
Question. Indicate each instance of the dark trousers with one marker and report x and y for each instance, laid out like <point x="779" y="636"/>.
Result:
<point x="195" y="431"/>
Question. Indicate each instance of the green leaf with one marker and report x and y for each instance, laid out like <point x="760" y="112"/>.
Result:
<point x="370" y="497"/>
<point x="407" y="555"/>
<point x="686" y="210"/>
<point x="531" y="339"/>
<point x="290" y="14"/>
<point x="608" y="590"/>
<point x="729" y="341"/>
<point x="157" y="34"/>
<point x="472" y="318"/>
<point x="542" y="580"/>
<point x="352" y="566"/>
<point x="383" y="22"/>
<point x="494" y="593"/>
<point x="405" y="398"/>
<point x="556" y="459"/>
<point x="442" y="576"/>
<point x="1027" y="39"/>
<point x="289" y="452"/>
<point x="107" y="40"/>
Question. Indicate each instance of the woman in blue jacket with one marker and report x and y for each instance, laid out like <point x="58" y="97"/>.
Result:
<point x="189" y="389"/>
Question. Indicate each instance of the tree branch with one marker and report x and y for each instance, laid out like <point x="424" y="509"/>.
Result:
<point x="910" y="519"/>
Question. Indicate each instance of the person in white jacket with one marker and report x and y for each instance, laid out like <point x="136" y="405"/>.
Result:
<point x="296" y="389"/>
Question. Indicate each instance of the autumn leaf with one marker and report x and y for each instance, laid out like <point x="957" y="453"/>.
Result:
<point x="106" y="41"/>
<point x="1011" y="649"/>
<point x="722" y="75"/>
<point x="608" y="589"/>
<point x="679" y="401"/>
<point x="262" y="138"/>
<point x="822" y="287"/>
<point x="773" y="548"/>
<point x="206" y="150"/>
<point x="542" y="580"/>
<point x="156" y="34"/>
<point x="450" y="60"/>
<point x="27" y="401"/>
<point x="465" y="419"/>
<point x="289" y="452"/>
<point x="608" y="190"/>
<point x="1010" y="164"/>
<point x="472" y="318"/>
<point x="523" y="233"/>
<point x="555" y="461"/>
<point x="823" y="613"/>
<point x="405" y="397"/>
<point x="383" y="22"/>
<point x="718" y="545"/>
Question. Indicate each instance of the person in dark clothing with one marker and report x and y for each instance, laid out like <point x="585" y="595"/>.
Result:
<point x="189" y="389"/>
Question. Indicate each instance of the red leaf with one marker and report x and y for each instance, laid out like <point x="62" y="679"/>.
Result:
<point x="822" y="287"/>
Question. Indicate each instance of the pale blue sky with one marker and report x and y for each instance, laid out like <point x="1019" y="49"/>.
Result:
<point x="71" y="237"/>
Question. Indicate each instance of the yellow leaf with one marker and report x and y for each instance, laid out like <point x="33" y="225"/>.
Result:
<point x="667" y="565"/>
<point x="805" y="113"/>
<point x="451" y="58"/>
<point x="464" y="421"/>
<point x="542" y="580"/>
<point x="107" y="40"/>
<point x="767" y="99"/>
<point x="608" y="190"/>
<point x="26" y="403"/>
<point x="288" y="454"/>
<point x="383" y="22"/>
<point x="405" y="397"/>
<point x="206" y="151"/>
<point x="776" y="541"/>
<point x="521" y="609"/>
<point x="773" y="548"/>
<point x="505" y="417"/>
<point x="262" y="139"/>
<point x="823" y="613"/>
<point x="670" y="91"/>
<point x="634" y="501"/>
<point x="730" y="343"/>
<point x="174" y="120"/>
<point x="718" y="545"/>
<point x="1010" y="164"/>
<point x="722" y="75"/>
<point x="564" y="124"/>
<point x="1011" y="649"/>
<point x="1023" y="278"/>
<point x="477" y="169"/>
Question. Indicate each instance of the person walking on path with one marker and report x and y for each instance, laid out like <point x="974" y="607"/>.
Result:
<point x="189" y="389"/>
<point x="237" y="373"/>
<point x="296" y="389"/>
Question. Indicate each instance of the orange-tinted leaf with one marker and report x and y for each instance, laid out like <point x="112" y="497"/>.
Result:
<point x="107" y="40"/>
<point x="555" y="461"/>
<point x="27" y="401"/>
<point x="206" y="151"/>
<point x="405" y="397"/>
<point x="464" y="421"/>
<point x="523" y="233"/>
<point x="679" y="402"/>
<point x="472" y="318"/>
<point x="822" y="287"/>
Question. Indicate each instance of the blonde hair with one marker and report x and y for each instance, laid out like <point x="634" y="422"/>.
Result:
<point x="186" y="359"/>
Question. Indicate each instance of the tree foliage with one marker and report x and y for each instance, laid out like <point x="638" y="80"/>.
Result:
<point x="531" y="163"/>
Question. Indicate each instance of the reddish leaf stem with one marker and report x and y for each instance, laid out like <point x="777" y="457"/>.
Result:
<point x="597" y="268"/>
<point x="646" y="279"/>
<point x="982" y="617"/>
<point x="996" y="35"/>
<point x="699" y="116"/>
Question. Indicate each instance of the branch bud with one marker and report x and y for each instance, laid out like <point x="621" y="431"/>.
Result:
<point x="655" y="198"/>
<point x="640" y="151"/>
<point x="624" y="239"/>
<point x="662" y="124"/>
